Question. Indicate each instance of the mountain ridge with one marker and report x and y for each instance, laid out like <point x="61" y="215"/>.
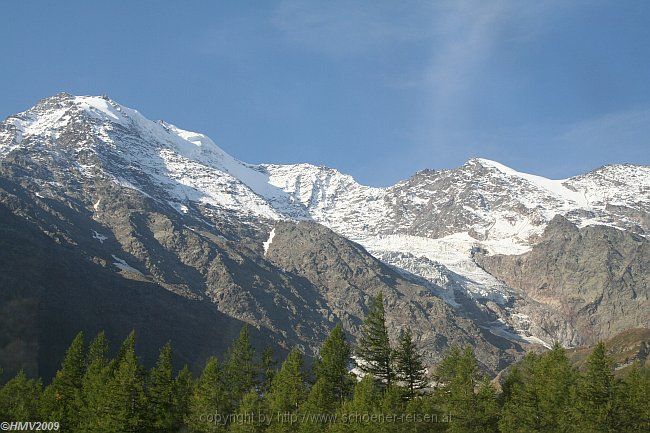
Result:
<point x="173" y="207"/>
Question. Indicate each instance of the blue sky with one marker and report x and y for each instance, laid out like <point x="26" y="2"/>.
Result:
<point x="375" y="89"/>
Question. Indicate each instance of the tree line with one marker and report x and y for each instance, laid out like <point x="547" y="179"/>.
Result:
<point x="390" y="392"/>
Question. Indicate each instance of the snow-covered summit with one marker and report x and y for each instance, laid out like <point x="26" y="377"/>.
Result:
<point x="441" y="216"/>
<point x="57" y="114"/>
<point x="555" y="187"/>
<point x="157" y="158"/>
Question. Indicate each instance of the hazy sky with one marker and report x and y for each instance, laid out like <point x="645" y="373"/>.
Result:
<point x="375" y="89"/>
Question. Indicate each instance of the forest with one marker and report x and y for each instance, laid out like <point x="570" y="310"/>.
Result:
<point x="389" y="390"/>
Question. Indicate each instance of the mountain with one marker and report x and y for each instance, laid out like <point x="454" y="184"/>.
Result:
<point x="290" y="249"/>
<point x="347" y="277"/>
<point x="593" y="280"/>
<point x="50" y="289"/>
<point x="630" y="347"/>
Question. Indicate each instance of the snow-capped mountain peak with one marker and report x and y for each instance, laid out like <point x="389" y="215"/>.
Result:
<point x="156" y="158"/>
<point x="435" y="217"/>
<point x="555" y="187"/>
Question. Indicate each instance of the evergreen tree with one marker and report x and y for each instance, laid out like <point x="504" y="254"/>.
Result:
<point x="424" y="416"/>
<point x="634" y="401"/>
<point x="208" y="399"/>
<point x="287" y="392"/>
<point x="124" y="398"/>
<point x="183" y="390"/>
<point x="459" y="374"/>
<point x="333" y="366"/>
<point x="373" y="349"/>
<point x="513" y="380"/>
<point x="539" y="395"/>
<point x="19" y="399"/>
<point x="249" y="417"/>
<point x="487" y="408"/>
<point x="127" y="345"/>
<point x="318" y="406"/>
<point x="409" y="367"/>
<point x="596" y="407"/>
<point x="98" y="350"/>
<point x="520" y="406"/>
<point x="392" y="406"/>
<point x="94" y="386"/>
<point x="161" y="393"/>
<point x="61" y="400"/>
<point x="355" y="415"/>
<point x="267" y="370"/>
<point x="240" y="368"/>
<point x="553" y="382"/>
<point x="333" y="382"/>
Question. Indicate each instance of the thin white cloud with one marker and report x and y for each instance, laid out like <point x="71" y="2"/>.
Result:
<point x="345" y="27"/>
<point x="469" y="30"/>
<point x="564" y="149"/>
<point x="463" y="37"/>
<point x="468" y="33"/>
<point x="627" y="128"/>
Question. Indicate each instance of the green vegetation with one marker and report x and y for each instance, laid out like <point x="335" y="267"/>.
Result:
<point x="246" y="393"/>
<point x="374" y="349"/>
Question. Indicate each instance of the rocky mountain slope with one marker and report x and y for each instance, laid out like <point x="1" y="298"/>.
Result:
<point x="627" y="349"/>
<point x="593" y="281"/>
<point x="157" y="206"/>
<point x="347" y="277"/>
<point x="51" y="287"/>
<point x="431" y="224"/>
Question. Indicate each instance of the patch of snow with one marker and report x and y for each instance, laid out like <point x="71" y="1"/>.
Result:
<point x="87" y="169"/>
<point x="556" y="187"/>
<point x="126" y="184"/>
<point x="454" y="252"/>
<point x="99" y="107"/>
<point x="502" y="330"/>
<point x="100" y="237"/>
<point x="46" y="124"/>
<point x="267" y="244"/>
<point x="179" y="207"/>
<point x="124" y="266"/>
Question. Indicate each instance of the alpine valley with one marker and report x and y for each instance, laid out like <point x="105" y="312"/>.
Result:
<point x="111" y="221"/>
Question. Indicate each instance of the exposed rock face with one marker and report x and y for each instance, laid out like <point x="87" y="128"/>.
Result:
<point x="595" y="280"/>
<point x="346" y="276"/>
<point x="210" y="284"/>
<point x="52" y="286"/>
